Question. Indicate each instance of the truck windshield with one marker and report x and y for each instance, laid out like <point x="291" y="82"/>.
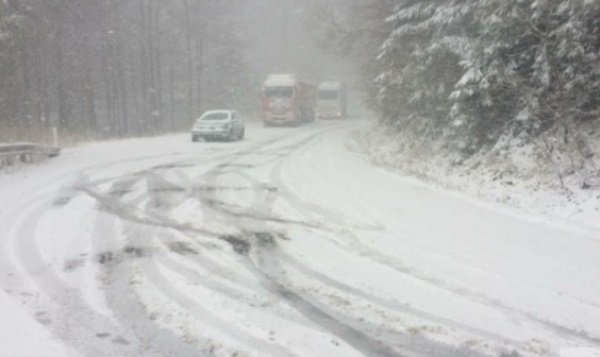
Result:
<point x="328" y="94"/>
<point x="215" y="116"/>
<point x="279" y="92"/>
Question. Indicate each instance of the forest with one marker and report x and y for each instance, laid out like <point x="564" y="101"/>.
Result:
<point x="475" y="76"/>
<point x="99" y="69"/>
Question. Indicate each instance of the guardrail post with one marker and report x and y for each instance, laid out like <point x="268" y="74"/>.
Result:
<point x="16" y="153"/>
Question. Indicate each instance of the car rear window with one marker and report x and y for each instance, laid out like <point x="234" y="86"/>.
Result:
<point x="216" y="116"/>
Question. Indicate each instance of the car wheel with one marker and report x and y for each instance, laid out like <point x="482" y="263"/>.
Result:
<point x="194" y="138"/>
<point x="242" y="133"/>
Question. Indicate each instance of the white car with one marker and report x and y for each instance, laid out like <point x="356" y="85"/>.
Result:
<point x="219" y="124"/>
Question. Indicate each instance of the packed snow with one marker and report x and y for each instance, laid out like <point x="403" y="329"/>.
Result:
<point x="289" y="243"/>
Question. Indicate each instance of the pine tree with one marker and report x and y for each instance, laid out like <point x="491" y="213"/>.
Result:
<point x="421" y="61"/>
<point x="534" y="67"/>
<point x="475" y="71"/>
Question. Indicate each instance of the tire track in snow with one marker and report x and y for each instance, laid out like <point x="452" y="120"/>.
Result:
<point x="149" y="270"/>
<point x="119" y="279"/>
<point x="75" y="322"/>
<point x="313" y="310"/>
<point x="392" y="262"/>
<point x="195" y="309"/>
<point x="223" y="169"/>
<point x="263" y="206"/>
<point x="390" y="304"/>
<point x="54" y="296"/>
<point x="121" y="297"/>
<point x="241" y="291"/>
<point x="396" y="343"/>
<point x="352" y="336"/>
<point x="267" y="266"/>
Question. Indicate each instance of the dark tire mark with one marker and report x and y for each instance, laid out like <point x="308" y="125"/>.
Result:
<point x="352" y="336"/>
<point x="122" y="299"/>
<point x="71" y="310"/>
<point x="204" y="314"/>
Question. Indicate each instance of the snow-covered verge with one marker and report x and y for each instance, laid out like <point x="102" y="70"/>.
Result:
<point x="520" y="176"/>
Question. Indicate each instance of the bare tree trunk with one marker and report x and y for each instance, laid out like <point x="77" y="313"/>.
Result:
<point x="190" y="58"/>
<point x="144" y="80"/>
<point x="158" y="66"/>
<point x="172" y="96"/>
<point x="120" y="69"/>
<point x="109" y="118"/>
<point x="61" y="90"/>
<point x="199" y="70"/>
<point x="116" y="95"/>
<point x="151" y="68"/>
<point x="90" y="99"/>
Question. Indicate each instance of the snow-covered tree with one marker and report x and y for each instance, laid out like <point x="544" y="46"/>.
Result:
<point x="421" y="61"/>
<point x="534" y="66"/>
<point x="475" y="71"/>
<point x="353" y="31"/>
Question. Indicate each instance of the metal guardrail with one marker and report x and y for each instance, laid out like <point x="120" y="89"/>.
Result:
<point x="15" y="153"/>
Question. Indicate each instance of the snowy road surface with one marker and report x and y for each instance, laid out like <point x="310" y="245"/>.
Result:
<point x="285" y="244"/>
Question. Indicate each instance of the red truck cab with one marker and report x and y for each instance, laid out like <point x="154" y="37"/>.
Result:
<point x="286" y="100"/>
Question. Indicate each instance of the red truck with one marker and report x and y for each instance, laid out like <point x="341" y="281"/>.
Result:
<point x="286" y="100"/>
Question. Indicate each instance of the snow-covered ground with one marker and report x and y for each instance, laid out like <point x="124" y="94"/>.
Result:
<point x="521" y="176"/>
<point x="285" y="244"/>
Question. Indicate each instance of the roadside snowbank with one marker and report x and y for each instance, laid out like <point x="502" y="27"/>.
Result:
<point x="514" y="176"/>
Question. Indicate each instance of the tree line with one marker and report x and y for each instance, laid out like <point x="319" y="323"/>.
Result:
<point x="110" y="68"/>
<point x="478" y="75"/>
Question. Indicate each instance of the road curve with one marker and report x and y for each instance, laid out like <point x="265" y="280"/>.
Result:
<point x="285" y="244"/>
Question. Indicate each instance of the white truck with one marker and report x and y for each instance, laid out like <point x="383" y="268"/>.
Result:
<point x="331" y="100"/>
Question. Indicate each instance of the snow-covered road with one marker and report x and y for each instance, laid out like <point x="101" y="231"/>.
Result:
<point x="285" y="244"/>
